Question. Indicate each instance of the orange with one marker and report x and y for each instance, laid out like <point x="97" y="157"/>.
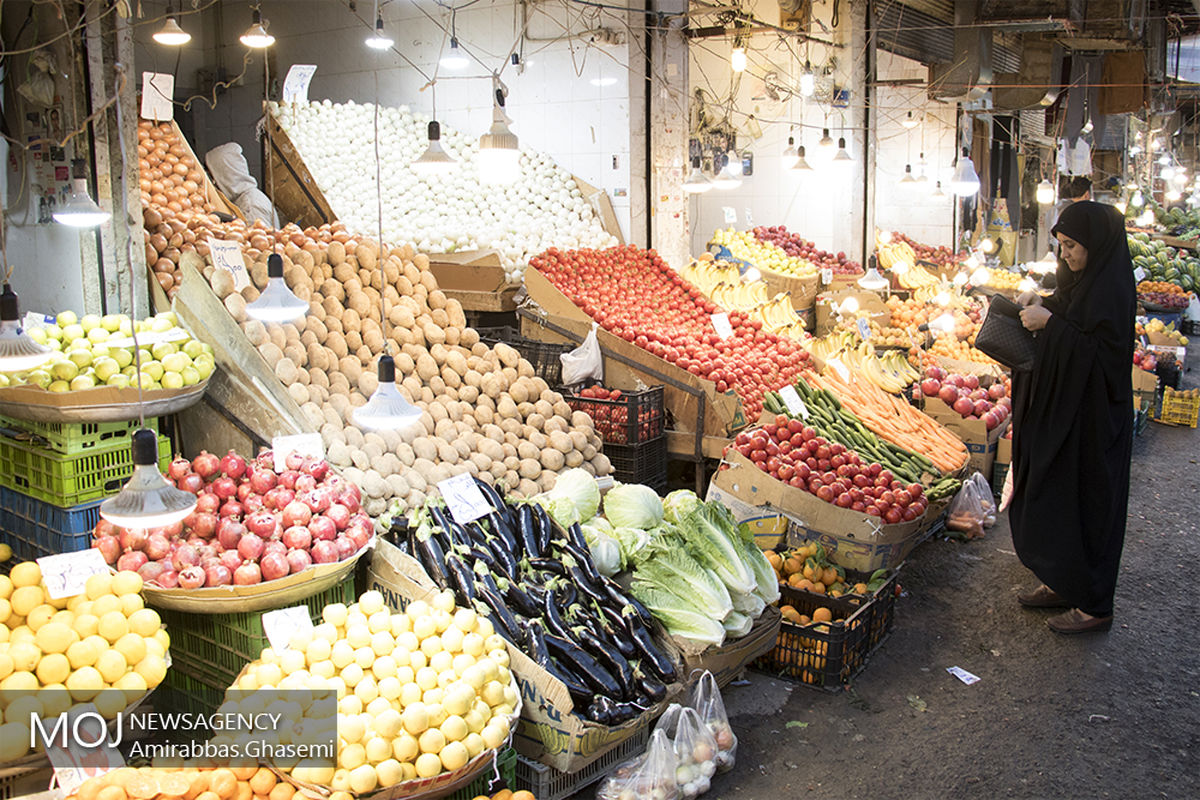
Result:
<point x="804" y="620"/>
<point x="818" y="587"/>
<point x="792" y="565"/>
<point x="804" y="583"/>
<point x="830" y="576"/>
<point x="822" y="614"/>
<point x="860" y="588"/>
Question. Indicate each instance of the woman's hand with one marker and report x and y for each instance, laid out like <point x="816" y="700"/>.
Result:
<point x="1029" y="299"/>
<point x="1034" y="317"/>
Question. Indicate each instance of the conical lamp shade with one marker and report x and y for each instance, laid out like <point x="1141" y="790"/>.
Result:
<point x="387" y="409"/>
<point x="872" y="280"/>
<point x="80" y="210"/>
<point x="697" y="182"/>
<point x="171" y="34"/>
<point x="434" y="160"/>
<point x="276" y="303"/>
<point x="148" y="500"/>
<point x="18" y="352"/>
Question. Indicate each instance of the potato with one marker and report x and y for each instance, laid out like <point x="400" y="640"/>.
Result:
<point x="235" y="304"/>
<point x="222" y="283"/>
<point x="552" y="459"/>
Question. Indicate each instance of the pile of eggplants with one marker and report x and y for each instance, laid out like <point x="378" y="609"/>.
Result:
<point x="541" y="591"/>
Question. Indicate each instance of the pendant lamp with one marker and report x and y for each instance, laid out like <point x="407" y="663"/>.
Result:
<point x="276" y="303"/>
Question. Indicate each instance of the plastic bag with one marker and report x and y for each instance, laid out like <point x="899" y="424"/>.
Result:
<point x="972" y="509"/>
<point x="1007" y="492"/>
<point x="584" y="361"/>
<point x="706" y="699"/>
<point x="649" y="776"/>
<point x="694" y="747"/>
<point x="1193" y="309"/>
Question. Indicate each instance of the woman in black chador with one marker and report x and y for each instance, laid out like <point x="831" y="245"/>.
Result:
<point x="1073" y="423"/>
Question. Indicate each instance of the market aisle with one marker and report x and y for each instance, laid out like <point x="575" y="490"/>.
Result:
<point x="1114" y="715"/>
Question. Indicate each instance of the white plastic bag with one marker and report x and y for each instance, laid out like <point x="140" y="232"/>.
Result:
<point x="694" y="747"/>
<point x="649" y="776"/>
<point x="1007" y="492"/>
<point x="584" y="361"/>
<point x="706" y="699"/>
<point x="972" y="509"/>
<point x="1193" y="309"/>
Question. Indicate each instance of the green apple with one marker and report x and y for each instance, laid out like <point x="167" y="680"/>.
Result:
<point x="97" y="335"/>
<point x="191" y="375"/>
<point x="174" y="362"/>
<point x="118" y="381"/>
<point x="129" y="371"/>
<point x="82" y="358"/>
<point x="105" y="368"/>
<point x="89" y="321"/>
<point x="99" y="351"/>
<point x="66" y="318"/>
<point x="125" y="327"/>
<point x="145" y="354"/>
<point x="153" y="369"/>
<point x="111" y="322"/>
<point x="54" y="344"/>
<point x="205" y="366"/>
<point x="163" y="349"/>
<point x="207" y="348"/>
<point x="123" y="357"/>
<point x="161" y="323"/>
<point x="83" y="382"/>
<point x="72" y="332"/>
<point x="64" y="370"/>
<point x="193" y="348"/>
<point x="169" y="316"/>
<point x="53" y="331"/>
<point x="59" y="386"/>
<point x="172" y="380"/>
<point x="39" y="335"/>
<point x="39" y="377"/>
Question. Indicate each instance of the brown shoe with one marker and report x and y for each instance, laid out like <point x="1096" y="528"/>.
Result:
<point x="1042" y="597"/>
<point x="1075" y="621"/>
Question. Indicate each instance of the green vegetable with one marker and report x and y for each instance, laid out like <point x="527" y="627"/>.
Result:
<point x="678" y="504"/>
<point x="750" y="604"/>
<point x="712" y="538"/>
<point x="764" y="574"/>
<point x="560" y="509"/>
<point x="632" y="505"/>
<point x="603" y="525"/>
<point x="737" y="624"/>
<point x="578" y="486"/>
<point x="680" y="618"/>
<point x="671" y="569"/>
<point x="631" y="541"/>
<point x="606" y="551"/>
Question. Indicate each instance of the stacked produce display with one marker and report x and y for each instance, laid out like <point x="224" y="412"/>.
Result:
<point x="797" y="247"/>
<point x="765" y="254"/>
<point x="1163" y="263"/>
<point x="721" y="282"/>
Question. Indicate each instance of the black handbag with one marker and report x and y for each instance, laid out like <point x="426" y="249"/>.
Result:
<point x="1003" y="337"/>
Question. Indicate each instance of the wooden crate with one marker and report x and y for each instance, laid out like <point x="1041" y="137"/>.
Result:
<point x="296" y="193"/>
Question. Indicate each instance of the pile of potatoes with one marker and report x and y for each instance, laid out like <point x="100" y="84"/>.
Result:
<point x="486" y="412"/>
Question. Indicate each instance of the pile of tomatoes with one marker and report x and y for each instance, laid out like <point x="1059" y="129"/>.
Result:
<point x="792" y="452"/>
<point x="621" y="417"/>
<point x="633" y="294"/>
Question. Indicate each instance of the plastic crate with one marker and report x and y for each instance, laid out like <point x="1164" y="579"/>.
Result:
<point x="547" y="783"/>
<point x="634" y="418"/>
<point x="1169" y="375"/>
<point x="182" y="691"/>
<point x="542" y="355"/>
<point x="68" y="481"/>
<point x="72" y="438"/>
<point x="1189" y="327"/>
<point x="34" y="528"/>
<point x="640" y="463"/>
<point x="827" y="659"/>
<point x="999" y="473"/>
<point x="1179" y="408"/>
<point x="215" y="647"/>
<point x="23" y="782"/>
<point x="503" y="774"/>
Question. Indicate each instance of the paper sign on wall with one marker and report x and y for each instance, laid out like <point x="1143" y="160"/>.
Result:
<point x="791" y="399"/>
<point x="66" y="574"/>
<point x="464" y="499"/>
<point x="33" y="319"/>
<point x="730" y="215"/>
<point x="157" y="90"/>
<point x="720" y="322"/>
<point x="749" y="216"/>
<point x="295" y="85"/>
<point x="228" y="255"/>
<point x="306" y="444"/>
<point x="282" y="624"/>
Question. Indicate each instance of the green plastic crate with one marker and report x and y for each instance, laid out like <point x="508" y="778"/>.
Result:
<point x="182" y="692"/>
<point x="215" y="647"/>
<point x="503" y="774"/>
<point x="72" y="438"/>
<point x="69" y="481"/>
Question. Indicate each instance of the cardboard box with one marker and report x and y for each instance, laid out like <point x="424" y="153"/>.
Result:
<point x="476" y="279"/>
<point x="727" y="661"/>
<point x="854" y="540"/>
<point x="980" y="442"/>
<point x="826" y="316"/>
<point x="548" y="731"/>
<point x="802" y="290"/>
<point x="1003" y="451"/>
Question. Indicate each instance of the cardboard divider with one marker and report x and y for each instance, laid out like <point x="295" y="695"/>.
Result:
<point x="476" y="279"/>
<point x="826" y="316"/>
<point x="980" y="442"/>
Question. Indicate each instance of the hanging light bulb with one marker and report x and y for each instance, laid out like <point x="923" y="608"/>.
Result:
<point x="256" y="35"/>
<point x="697" y="182"/>
<point x="1172" y="195"/>
<point x="18" y="351"/>
<point x="986" y="244"/>
<point x="885" y="237"/>
<point x="1179" y="181"/>
<point x="970" y="262"/>
<point x="726" y="179"/>
<point x="1027" y="284"/>
<point x="499" y="155"/>
<point x="1045" y="193"/>
<point x="825" y="146"/>
<point x="908" y="176"/>
<point x="922" y="165"/>
<point x="379" y="40"/>
<point x="980" y="277"/>
<point x="808" y="81"/>
<point x="1146" y="218"/>
<point x="872" y="280"/>
<point x="1087" y="126"/>
<point x="938" y="194"/>
<point x="733" y="163"/>
<point x="942" y="298"/>
<point x="842" y="155"/>
<point x="171" y="35"/>
<point x="80" y="210"/>
<point x="387" y="409"/>
<point x="435" y="160"/>
<point x="276" y="303"/>
<point x="750" y="275"/>
<point x="943" y="324"/>
<point x="454" y="58"/>
<point x="789" y="153"/>
<point x="737" y="59"/>
<point x="1137" y="201"/>
<point x="148" y="500"/>
<point x="801" y="164"/>
<point x="848" y="306"/>
<point x="910" y="121"/>
<point x="1167" y="173"/>
<point x="965" y="181"/>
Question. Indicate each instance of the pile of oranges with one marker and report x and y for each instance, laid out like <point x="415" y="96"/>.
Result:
<point x="950" y="347"/>
<point x="807" y="568"/>
<point x="1159" y="286"/>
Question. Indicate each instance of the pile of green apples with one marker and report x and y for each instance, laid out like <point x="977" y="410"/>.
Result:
<point x="93" y="350"/>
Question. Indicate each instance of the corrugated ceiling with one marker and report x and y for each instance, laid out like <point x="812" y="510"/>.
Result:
<point x="921" y="36"/>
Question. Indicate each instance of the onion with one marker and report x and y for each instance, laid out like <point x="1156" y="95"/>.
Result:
<point x="274" y="565"/>
<point x="217" y="575"/>
<point x="250" y="547"/>
<point x="109" y="547"/>
<point x="190" y="578"/>
<point x="247" y="574"/>
<point x="298" y="560"/>
<point x="318" y="468"/>
<point x="132" y="561"/>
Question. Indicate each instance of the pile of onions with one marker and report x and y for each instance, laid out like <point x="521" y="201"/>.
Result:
<point x="252" y="524"/>
<point x="543" y="208"/>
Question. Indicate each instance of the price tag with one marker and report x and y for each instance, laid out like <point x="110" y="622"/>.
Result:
<point x="605" y="482"/>
<point x="840" y="369"/>
<point x="730" y="215"/>
<point x="963" y="675"/>
<point x="88" y="750"/>
<point x="32" y="320"/>
<point x="864" y="329"/>
<point x="749" y="216"/>
<point x="66" y="573"/>
<point x="282" y="624"/>
<point x="295" y="85"/>
<point x="1139" y="274"/>
<point x="149" y="338"/>
<point x="228" y="255"/>
<point x="720" y="322"/>
<point x="1145" y="342"/>
<point x="157" y="90"/>
<point x="827" y="276"/>
<point x="791" y="399"/>
<point x="306" y="444"/>
<point x="464" y="499"/>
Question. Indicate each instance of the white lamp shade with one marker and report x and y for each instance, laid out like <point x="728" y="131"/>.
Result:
<point x="80" y="210"/>
<point x="387" y="409"/>
<point x="965" y="181"/>
<point x="148" y="500"/>
<point x="171" y="35"/>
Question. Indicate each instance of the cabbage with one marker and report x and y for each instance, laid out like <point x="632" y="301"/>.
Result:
<point x="601" y="524"/>
<point x="578" y="486"/>
<point x="631" y="541"/>
<point x="606" y="552"/>
<point x="679" y="617"/>
<point x="560" y="509"/>
<point x="678" y="504"/>
<point x="632" y="505"/>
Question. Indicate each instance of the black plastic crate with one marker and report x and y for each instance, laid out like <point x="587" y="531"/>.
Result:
<point x="828" y="655"/>
<point x="633" y="418"/>
<point x="1169" y="374"/>
<point x="1189" y="327"/>
<point x="640" y="463"/>
<point x="542" y="355"/>
<point x="548" y="783"/>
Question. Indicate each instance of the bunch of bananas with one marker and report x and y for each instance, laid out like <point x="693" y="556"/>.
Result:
<point x="706" y="273"/>
<point x="895" y="252"/>
<point x="916" y="278"/>
<point x="739" y="296"/>
<point x="720" y="282"/>
<point x="778" y="315"/>
<point x="890" y="371"/>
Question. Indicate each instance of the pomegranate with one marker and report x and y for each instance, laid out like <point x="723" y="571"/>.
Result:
<point x="151" y="570"/>
<point x="293" y="460"/>
<point x="133" y="560"/>
<point x="274" y="565"/>
<point x="297" y="537"/>
<point x="224" y="488"/>
<point x="298" y="560"/>
<point x="263" y="480"/>
<point x="262" y="524"/>
<point x="106" y="528"/>
<point x="318" y="468"/>
<point x="206" y="465"/>
<point x="278" y="498"/>
<point x="964" y="406"/>
<point x="247" y="574"/>
<point x="204" y="525"/>
<point x="157" y="546"/>
<point x="185" y="556"/>
<point x="253" y="503"/>
<point x="168" y="579"/>
<point x="948" y="394"/>
<point x="190" y="483"/>
<point x="351" y="497"/>
<point x="322" y="529"/>
<point x="233" y="465"/>
<point x="208" y="502"/>
<point x="192" y="577"/>
<point x="318" y="500"/>
<point x="109" y="547"/>
<point x="296" y="513"/>
<point x="340" y="515"/>
<point x="288" y="479"/>
<point x="179" y="467"/>
<point x="345" y="547"/>
<point x="930" y="387"/>
<point x="274" y="546"/>
<point x="265" y="459"/>
<point x="305" y="483"/>
<point x="359" y="535"/>
<point x="230" y="559"/>
<point x="133" y="538"/>
<point x="218" y="575"/>
<point x="231" y="508"/>
<point x="244" y="490"/>
<point x="324" y="552"/>
<point x="250" y="547"/>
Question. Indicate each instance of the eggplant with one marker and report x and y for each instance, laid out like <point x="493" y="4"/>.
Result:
<point x="521" y="601"/>
<point x="581" y="695"/>
<point x="627" y="710"/>
<point x="575" y="537"/>
<point x="552" y="617"/>
<point x="490" y="493"/>
<point x="601" y="710"/>
<point x="535" y="637"/>
<point x="500" y="614"/>
<point x="548" y="565"/>
<point x="544" y="528"/>
<point x="588" y="668"/>
<point x="431" y="555"/>
<point x="653" y="689"/>
<point x="610" y="659"/>
<point x="527" y="528"/>
<point x="581" y="580"/>
<point x="661" y="666"/>
<point x="623" y="599"/>
<point x="460" y="577"/>
<point x="502" y="530"/>
<point x="583" y="556"/>
<point x="442" y="525"/>
<point x="504" y="561"/>
<point x="614" y="625"/>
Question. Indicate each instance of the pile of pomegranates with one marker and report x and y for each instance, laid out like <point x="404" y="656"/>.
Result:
<point x="252" y="523"/>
